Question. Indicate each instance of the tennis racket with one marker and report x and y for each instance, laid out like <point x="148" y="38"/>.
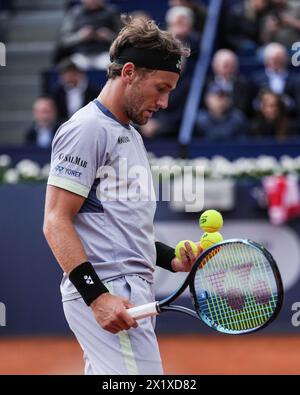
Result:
<point x="235" y="288"/>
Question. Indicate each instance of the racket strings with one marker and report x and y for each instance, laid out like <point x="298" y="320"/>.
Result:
<point x="236" y="288"/>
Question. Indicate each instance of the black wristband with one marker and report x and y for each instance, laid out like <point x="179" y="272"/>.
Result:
<point x="87" y="282"/>
<point x="164" y="256"/>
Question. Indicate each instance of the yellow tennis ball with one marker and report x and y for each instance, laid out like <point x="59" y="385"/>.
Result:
<point x="211" y="221"/>
<point x="182" y="244"/>
<point x="209" y="239"/>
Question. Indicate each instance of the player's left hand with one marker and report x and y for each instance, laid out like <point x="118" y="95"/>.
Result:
<point x="188" y="258"/>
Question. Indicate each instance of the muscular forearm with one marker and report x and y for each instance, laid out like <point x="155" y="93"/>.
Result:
<point x="64" y="243"/>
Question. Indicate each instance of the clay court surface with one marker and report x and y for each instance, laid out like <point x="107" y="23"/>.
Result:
<point x="189" y="354"/>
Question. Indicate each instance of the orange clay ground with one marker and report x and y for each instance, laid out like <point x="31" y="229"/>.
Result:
<point x="181" y="354"/>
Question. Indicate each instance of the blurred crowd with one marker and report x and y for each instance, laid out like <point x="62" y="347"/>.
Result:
<point x="252" y="90"/>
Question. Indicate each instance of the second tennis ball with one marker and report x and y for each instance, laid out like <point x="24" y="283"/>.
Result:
<point x="182" y="244"/>
<point x="211" y="221"/>
<point x="209" y="239"/>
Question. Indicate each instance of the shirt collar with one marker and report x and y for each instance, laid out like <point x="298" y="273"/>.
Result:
<point x="109" y="113"/>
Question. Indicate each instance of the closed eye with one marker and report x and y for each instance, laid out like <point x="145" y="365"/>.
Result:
<point x="162" y="90"/>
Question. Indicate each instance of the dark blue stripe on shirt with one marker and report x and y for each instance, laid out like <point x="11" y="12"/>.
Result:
<point x="92" y="204"/>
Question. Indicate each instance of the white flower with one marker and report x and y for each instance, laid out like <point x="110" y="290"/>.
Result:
<point x="243" y="166"/>
<point x="5" y="160"/>
<point x="11" y="176"/>
<point x="220" y="167"/>
<point x="287" y="163"/>
<point x="28" y="169"/>
<point x="45" y="171"/>
<point x="267" y="164"/>
<point x="297" y="163"/>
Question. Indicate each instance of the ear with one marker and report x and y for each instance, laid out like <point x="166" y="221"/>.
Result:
<point x="128" y="73"/>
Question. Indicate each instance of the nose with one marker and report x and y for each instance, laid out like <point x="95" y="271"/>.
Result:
<point x="163" y="101"/>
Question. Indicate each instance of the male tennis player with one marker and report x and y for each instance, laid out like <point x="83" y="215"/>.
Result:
<point x="103" y="242"/>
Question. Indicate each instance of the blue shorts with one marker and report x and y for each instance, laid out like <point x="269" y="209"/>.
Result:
<point x="128" y="352"/>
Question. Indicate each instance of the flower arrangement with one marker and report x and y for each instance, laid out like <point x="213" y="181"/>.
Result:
<point x="216" y="168"/>
<point x="25" y="171"/>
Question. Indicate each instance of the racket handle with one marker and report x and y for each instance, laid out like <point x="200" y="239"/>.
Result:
<point x="145" y="310"/>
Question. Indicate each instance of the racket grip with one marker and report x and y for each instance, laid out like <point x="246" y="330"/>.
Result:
<point x="145" y="310"/>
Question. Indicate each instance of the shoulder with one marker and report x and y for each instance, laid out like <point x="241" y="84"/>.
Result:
<point x="86" y="123"/>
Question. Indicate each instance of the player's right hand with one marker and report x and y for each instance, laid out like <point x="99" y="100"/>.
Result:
<point x="110" y="313"/>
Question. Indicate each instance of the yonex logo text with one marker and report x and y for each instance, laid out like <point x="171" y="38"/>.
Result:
<point x="59" y="169"/>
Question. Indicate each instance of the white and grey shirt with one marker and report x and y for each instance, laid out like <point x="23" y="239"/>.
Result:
<point x="95" y="156"/>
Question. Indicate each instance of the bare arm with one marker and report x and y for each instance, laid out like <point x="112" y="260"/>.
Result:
<point x="60" y="208"/>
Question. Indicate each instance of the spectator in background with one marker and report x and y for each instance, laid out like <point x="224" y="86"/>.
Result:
<point x="44" y="124"/>
<point x="282" y="23"/>
<point x="180" y="24"/>
<point x="166" y="123"/>
<point x="87" y="31"/>
<point x="221" y="121"/>
<point x="225" y="66"/>
<point x="243" y="25"/>
<point x="272" y="120"/>
<point x="278" y="78"/>
<point x="198" y="9"/>
<point x="73" y="92"/>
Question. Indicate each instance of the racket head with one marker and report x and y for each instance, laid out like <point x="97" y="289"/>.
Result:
<point x="236" y="287"/>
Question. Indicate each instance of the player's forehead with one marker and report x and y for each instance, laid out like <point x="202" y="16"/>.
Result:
<point x="164" y="78"/>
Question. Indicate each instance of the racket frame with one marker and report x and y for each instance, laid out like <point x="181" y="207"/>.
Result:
<point x="163" y="305"/>
<point x="277" y="277"/>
